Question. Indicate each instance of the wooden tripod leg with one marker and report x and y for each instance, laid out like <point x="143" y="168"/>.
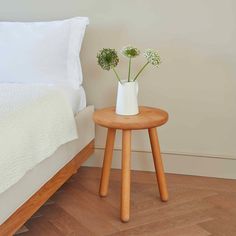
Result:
<point x="161" y="180"/>
<point x="107" y="162"/>
<point x="125" y="182"/>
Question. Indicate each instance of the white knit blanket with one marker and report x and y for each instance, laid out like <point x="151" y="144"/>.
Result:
<point x="34" y="122"/>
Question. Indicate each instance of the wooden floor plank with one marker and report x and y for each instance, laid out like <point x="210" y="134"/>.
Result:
<point x="193" y="230"/>
<point x="198" y="206"/>
<point x="63" y="221"/>
<point x="41" y="227"/>
<point x="153" y="215"/>
<point x="177" y="196"/>
<point x="158" y="226"/>
<point x="72" y="203"/>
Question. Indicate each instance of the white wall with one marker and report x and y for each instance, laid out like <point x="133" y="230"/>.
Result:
<point x="196" y="83"/>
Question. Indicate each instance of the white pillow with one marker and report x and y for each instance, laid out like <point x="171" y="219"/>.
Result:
<point x="42" y="52"/>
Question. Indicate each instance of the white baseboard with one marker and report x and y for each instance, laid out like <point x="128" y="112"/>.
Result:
<point x="174" y="163"/>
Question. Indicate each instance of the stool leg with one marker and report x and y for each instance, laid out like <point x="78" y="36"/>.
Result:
<point x="125" y="182"/>
<point x="107" y="162"/>
<point x="161" y="180"/>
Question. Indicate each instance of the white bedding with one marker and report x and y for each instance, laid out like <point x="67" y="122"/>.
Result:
<point x="42" y="52"/>
<point x="76" y="97"/>
<point x="34" y="122"/>
<point x="46" y="169"/>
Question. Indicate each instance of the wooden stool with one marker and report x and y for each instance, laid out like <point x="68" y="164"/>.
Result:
<point x="148" y="118"/>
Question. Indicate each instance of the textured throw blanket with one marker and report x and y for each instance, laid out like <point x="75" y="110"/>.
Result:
<point x="34" y="122"/>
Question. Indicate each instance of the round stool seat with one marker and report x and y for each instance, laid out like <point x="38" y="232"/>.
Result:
<point x="148" y="117"/>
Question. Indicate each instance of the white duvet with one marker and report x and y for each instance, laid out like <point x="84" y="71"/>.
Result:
<point x="34" y="122"/>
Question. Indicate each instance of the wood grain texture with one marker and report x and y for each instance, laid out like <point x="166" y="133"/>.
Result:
<point x="125" y="172"/>
<point x="107" y="162"/>
<point x="199" y="206"/>
<point x="148" y="117"/>
<point x="22" y="214"/>
<point x="161" y="179"/>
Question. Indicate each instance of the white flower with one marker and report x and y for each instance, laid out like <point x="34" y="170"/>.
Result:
<point x="152" y="57"/>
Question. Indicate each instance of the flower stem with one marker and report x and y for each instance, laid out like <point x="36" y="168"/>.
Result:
<point x="117" y="76"/>
<point x="129" y="69"/>
<point x="140" y="71"/>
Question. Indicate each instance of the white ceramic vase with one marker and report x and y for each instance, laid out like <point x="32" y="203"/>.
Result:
<point x="127" y="98"/>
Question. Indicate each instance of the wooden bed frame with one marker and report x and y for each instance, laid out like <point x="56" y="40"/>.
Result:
<point x="23" y="213"/>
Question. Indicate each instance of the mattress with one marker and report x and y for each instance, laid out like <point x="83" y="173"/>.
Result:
<point x="42" y="172"/>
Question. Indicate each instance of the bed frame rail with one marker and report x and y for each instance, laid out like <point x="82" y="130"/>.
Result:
<point x="23" y="213"/>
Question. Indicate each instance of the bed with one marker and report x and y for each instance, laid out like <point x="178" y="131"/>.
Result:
<point x="22" y="197"/>
<point x="46" y="128"/>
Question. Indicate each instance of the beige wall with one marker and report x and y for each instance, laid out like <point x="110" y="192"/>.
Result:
<point x="196" y="83"/>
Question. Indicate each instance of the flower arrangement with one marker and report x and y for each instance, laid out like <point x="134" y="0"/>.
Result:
<point x="108" y="59"/>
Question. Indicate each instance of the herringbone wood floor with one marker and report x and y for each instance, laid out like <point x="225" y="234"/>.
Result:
<point x="198" y="206"/>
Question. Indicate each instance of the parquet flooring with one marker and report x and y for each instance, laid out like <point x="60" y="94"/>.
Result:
<point x="198" y="206"/>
